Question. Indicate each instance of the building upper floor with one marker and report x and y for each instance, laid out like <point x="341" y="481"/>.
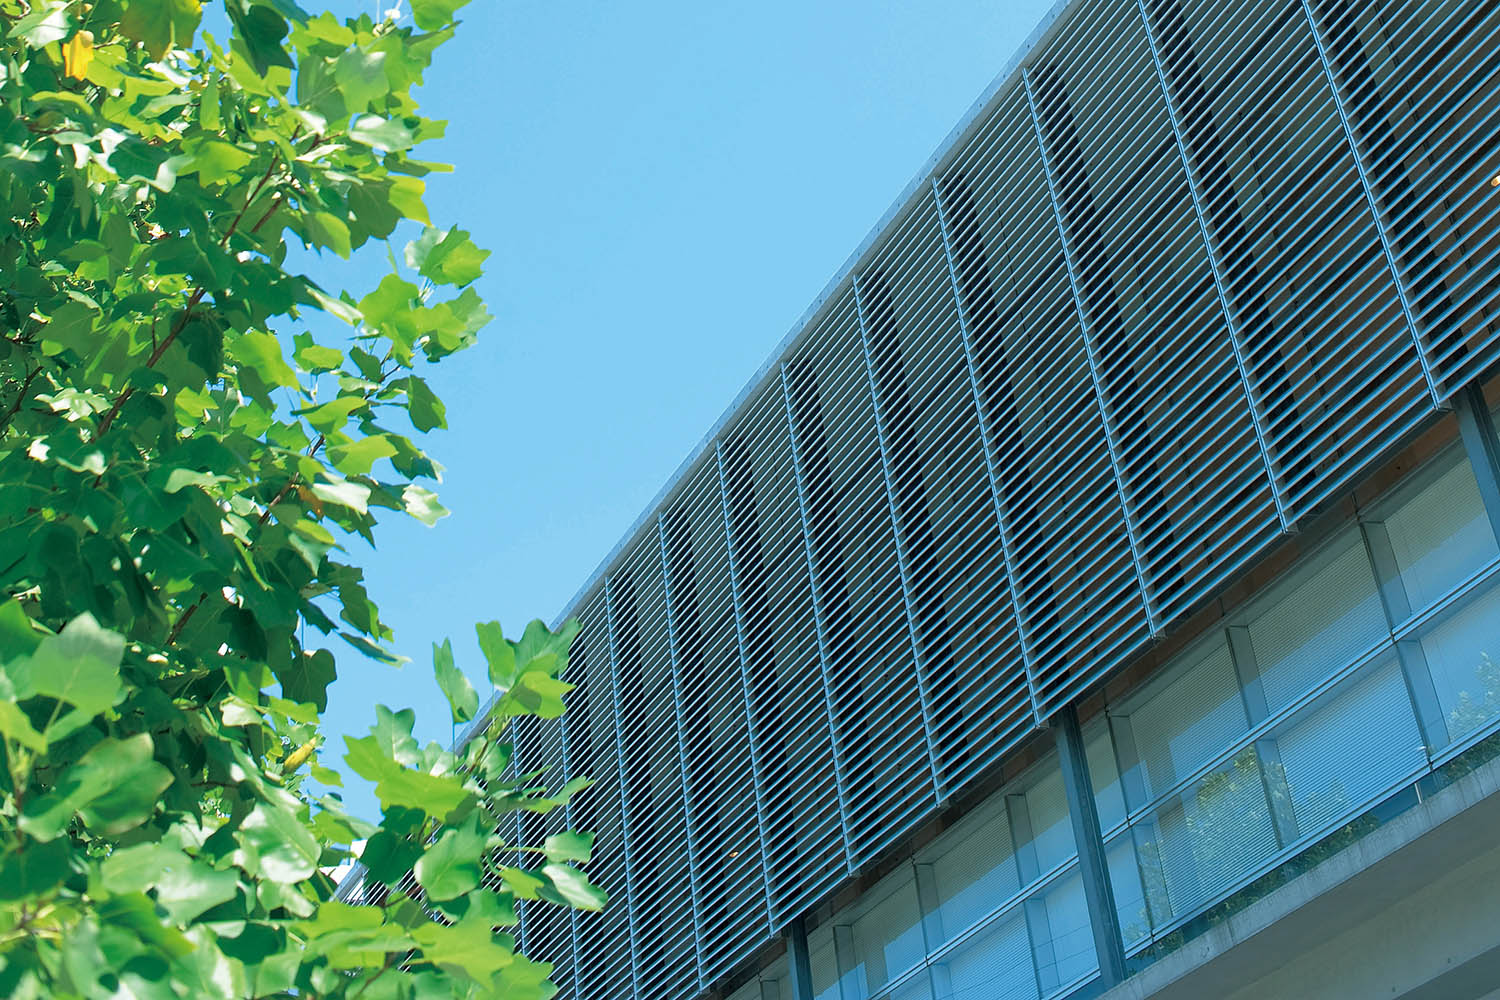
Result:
<point x="1185" y="275"/>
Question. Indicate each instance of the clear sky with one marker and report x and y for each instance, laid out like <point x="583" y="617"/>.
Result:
<point x="666" y="186"/>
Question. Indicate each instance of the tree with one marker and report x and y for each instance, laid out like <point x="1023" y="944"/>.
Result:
<point x="181" y="461"/>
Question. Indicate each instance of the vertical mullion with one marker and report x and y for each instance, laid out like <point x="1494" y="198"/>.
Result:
<point x="890" y="498"/>
<point x="1374" y="206"/>
<point x="1478" y="432"/>
<point x="1267" y="753"/>
<point x="817" y="609"/>
<point x="1088" y="345"/>
<point x="1230" y="322"/>
<point x="614" y="690"/>
<point x="739" y="635"/>
<point x="1412" y="659"/>
<point x="687" y="802"/>
<point x="1093" y="864"/>
<point x="989" y="456"/>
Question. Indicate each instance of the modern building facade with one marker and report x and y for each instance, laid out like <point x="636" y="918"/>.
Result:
<point x="1103" y="576"/>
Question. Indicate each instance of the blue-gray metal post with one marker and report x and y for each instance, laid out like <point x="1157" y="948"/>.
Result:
<point x="1376" y="215"/>
<point x="989" y="456"/>
<point x="739" y="635"/>
<point x="1093" y="867"/>
<point x="682" y="773"/>
<point x="923" y="694"/>
<point x="614" y="690"/>
<point x="1089" y="351"/>
<point x="1231" y="323"/>
<point x="817" y="609"/>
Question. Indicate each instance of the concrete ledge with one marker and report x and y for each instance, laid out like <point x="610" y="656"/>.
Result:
<point x="1457" y="828"/>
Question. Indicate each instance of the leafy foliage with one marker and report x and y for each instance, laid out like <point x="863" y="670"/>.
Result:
<point x="182" y="461"/>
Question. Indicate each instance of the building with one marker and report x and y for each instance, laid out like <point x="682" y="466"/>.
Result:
<point x="1097" y="593"/>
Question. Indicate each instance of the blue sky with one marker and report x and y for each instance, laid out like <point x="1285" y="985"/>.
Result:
<point x="666" y="186"/>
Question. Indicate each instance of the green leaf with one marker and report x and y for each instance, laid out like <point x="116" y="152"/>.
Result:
<point x="422" y="504"/>
<point x="388" y="857"/>
<point x="381" y="135"/>
<point x="468" y="946"/>
<point x="370" y="649"/>
<point x="275" y="844"/>
<point x="80" y="665"/>
<point x="161" y="25"/>
<point x="261" y="352"/>
<point x="392" y="734"/>
<point x="113" y="788"/>
<point x="47" y="23"/>
<point x="425" y="408"/>
<point x="451" y="867"/>
<point x="260" y="29"/>
<point x="569" y="846"/>
<point x="431" y="15"/>
<point x="136" y="868"/>
<point x="214" y="160"/>
<point x="16" y="726"/>
<point x="498" y="653"/>
<point x="332" y="415"/>
<point x="358" y="457"/>
<point x="187" y="888"/>
<point x="35" y="871"/>
<point x="540" y="694"/>
<point x="446" y="257"/>
<point x="18" y="636"/>
<point x="361" y="78"/>
<point x="439" y="794"/>
<point x="463" y="700"/>
<point x="355" y="496"/>
<point x="574" y="888"/>
<point x="314" y="358"/>
<point x="307" y="679"/>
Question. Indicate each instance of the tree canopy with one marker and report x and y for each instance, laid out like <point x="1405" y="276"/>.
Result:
<point x="184" y="452"/>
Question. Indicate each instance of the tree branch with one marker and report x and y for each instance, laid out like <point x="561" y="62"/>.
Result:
<point x="10" y="413"/>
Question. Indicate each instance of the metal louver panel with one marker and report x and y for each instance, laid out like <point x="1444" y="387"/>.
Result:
<point x="1194" y="470"/>
<point x="546" y="929"/>
<point x="1330" y="351"/>
<point x="656" y="836"/>
<point x="604" y="940"/>
<point x="876" y="703"/>
<point x="1420" y="84"/>
<point x="721" y="772"/>
<point x="1077" y="585"/>
<point x="963" y="619"/>
<point x="804" y="834"/>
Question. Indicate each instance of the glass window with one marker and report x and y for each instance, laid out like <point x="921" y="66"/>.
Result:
<point x="823" y="963"/>
<point x="1130" y="895"/>
<point x="1047" y="817"/>
<point x="1317" y="621"/>
<point x="1441" y="536"/>
<point x="1350" y="747"/>
<point x="886" y="934"/>
<point x="1463" y="656"/>
<point x="1193" y="712"/>
<point x="974" y="870"/>
<point x="993" y="963"/>
<point x="1205" y="839"/>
